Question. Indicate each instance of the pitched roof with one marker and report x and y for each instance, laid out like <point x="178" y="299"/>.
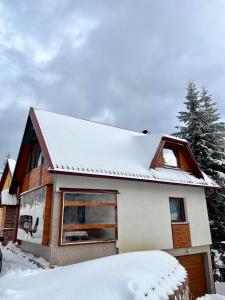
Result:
<point x="9" y="167"/>
<point x="12" y="164"/>
<point x="6" y="198"/>
<point x="84" y="147"/>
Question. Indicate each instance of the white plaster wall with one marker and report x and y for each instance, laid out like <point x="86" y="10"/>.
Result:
<point x="198" y="218"/>
<point x="143" y="211"/>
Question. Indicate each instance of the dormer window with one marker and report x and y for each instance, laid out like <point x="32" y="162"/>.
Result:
<point x="170" y="158"/>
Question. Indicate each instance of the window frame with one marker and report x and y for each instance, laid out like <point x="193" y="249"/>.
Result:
<point x="184" y="213"/>
<point x="89" y="191"/>
<point x="35" y="159"/>
<point x="176" y="155"/>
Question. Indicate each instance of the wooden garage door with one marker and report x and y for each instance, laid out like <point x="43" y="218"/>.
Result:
<point x="194" y="264"/>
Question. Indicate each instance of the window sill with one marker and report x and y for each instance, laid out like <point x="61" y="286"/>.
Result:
<point x="171" y="167"/>
<point x="179" y="223"/>
<point x="87" y="242"/>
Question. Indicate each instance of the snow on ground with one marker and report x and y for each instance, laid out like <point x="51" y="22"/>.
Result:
<point x="139" y="275"/>
<point x="220" y="288"/>
<point x="212" y="297"/>
<point x="15" y="260"/>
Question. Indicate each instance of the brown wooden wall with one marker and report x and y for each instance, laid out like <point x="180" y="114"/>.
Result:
<point x="47" y="216"/>
<point x="194" y="264"/>
<point x="181" y="235"/>
<point x="184" y="161"/>
<point x="10" y="222"/>
<point x="37" y="177"/>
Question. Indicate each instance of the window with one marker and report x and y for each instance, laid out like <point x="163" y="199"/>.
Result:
<point x="36" y="158"/>
<point x="88" y="217"/>
<point x="170" y="157"/>
<point x="177" y="210"/>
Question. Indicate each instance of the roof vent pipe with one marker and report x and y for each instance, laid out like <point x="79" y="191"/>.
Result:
<point x="146" y="131"/>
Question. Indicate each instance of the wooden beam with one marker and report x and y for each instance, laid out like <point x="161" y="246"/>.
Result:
<point x="79" y="190"/>
<point x="88" y="226"/>
<point x="89" y="204"/>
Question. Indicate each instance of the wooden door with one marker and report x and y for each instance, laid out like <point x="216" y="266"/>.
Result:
<point x="194" y="264"/>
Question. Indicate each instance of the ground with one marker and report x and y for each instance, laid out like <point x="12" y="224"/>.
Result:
<point x="17" y="264"/>
<point x="16" y="261"/>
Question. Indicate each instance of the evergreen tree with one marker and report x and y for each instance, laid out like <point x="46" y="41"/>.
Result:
<point x="212" y="138"/>
<point x="191" y="119"/>
<point x="203" y="130"/>
<point x="212" y="163"/>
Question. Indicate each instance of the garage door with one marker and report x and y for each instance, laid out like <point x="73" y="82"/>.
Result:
<point x="194" y="264"/>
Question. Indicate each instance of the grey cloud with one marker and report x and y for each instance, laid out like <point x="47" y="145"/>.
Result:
<point x="122" y="62"/>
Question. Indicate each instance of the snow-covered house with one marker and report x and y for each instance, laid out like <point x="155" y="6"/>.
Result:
<point x="89" y="190"/>
<point x="8" y="203"/>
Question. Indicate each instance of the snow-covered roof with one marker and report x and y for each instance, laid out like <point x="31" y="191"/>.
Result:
<point x="12" y="164"/>
<point x="8" y="199"/>
<point x="149" y="275"/>
<point x="85" y="147"/>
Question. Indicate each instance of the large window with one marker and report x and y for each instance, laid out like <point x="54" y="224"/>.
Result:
<point x="177" y="210"/>
<point x="170" y="158"/>
<point x="88" y="217"/>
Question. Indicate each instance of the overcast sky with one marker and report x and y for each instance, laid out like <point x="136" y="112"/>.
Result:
<point x="125" y="63"/>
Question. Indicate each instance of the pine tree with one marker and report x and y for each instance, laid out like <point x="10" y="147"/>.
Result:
<point x="212" y="163"/>
<point x="205" y="133"/>
<point x="212" y="139"/>
<point x="191" y="119"/>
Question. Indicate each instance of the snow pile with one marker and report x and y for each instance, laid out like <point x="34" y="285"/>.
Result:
<point x="8" y="199"/>
<point x="17" y="261"/>
<point x="220" y="288"/>
<point x="212" y="297"/>
<point x="140" y="275"/>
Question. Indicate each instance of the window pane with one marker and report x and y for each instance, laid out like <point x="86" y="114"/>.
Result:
<point x="71" y="236"/>
<point x="89" y="215"/>
<point x="88" y="197"/>
<point x="170" y="158"/>
<point x="177" y="210"/>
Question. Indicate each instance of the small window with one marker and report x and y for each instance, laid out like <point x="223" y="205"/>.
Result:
<point x="170" y="157"/>
<point x="36" y="158"/>
<point x="177" y="210"/>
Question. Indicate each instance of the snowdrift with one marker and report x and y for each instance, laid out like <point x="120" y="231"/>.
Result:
<point x="139" y="275"/>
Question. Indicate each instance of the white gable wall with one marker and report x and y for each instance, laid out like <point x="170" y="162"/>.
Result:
<point x="143" y="211"/>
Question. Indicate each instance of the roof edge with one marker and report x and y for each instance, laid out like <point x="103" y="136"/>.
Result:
<point x="4" y="174"/>
<point x="40" y="137"/>
<point x="70" y="173"/>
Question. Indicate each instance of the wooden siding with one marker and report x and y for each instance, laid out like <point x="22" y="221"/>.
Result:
<point x="160" y="163"/>
<point x="194" y="264"/>
<point x="37" y="177"/>
<point x="47" y="216"/>
<point x="7" y="182"/>
<point x="2" y="217"/>
<point x="184" y="161"/>
<point x="181" y="235"/>
<point x="10" y="222"/>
